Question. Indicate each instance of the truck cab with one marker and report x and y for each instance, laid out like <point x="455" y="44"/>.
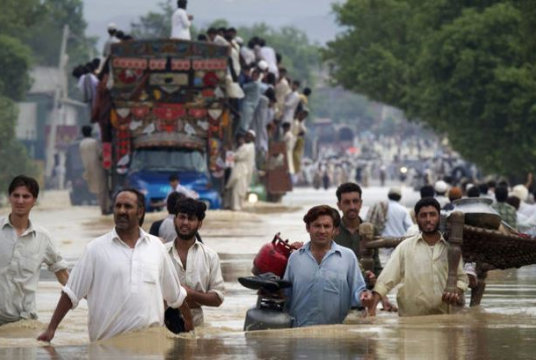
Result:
<point x="151" y="168"/>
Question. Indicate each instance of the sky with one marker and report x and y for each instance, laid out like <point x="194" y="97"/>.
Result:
<point x="315" y="17"/>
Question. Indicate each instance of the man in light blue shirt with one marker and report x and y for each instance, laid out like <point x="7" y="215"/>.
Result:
<point x="326" y="279"/>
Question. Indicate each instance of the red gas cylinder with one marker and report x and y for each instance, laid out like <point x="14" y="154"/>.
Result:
<point x="272" y="257"/>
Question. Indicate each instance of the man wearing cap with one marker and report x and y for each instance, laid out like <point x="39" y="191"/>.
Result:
<point x="180" y="22"/>
<point x="396" y="218"/>
<point x="237" y="186"/>
<point x="441" y="188"/>
<point x="250" y="147"/>
<point x="112" y="30"/>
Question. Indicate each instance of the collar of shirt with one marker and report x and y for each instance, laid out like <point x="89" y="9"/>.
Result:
<point x="143" y="237"/>
<point x="335" y="248"/>
<point x="175" y="254"/>
<point x="6" y="221"/>
<point x="343" y="225"/>
<point x="441" y="239"/>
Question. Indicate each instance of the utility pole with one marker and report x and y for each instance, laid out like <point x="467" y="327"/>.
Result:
<point x="59" y="94"/>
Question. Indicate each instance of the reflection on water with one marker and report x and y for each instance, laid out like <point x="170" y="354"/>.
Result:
<point x="473" y="335"/>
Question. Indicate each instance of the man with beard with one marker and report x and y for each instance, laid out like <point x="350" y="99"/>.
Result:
<point x="198" y="266"/>
<point x="125" y="276"/>
<point x="420" y="264"/>
<point x="349" y="201"/>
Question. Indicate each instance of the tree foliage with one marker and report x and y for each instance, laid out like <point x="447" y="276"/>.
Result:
<point x="464" y="67"/>
<point x="154" y="25"/>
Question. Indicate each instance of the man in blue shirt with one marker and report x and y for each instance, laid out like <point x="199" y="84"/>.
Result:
<point x="326" y="279"/>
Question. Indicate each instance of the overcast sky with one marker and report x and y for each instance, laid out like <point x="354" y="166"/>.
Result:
<point x="313" y="16"/>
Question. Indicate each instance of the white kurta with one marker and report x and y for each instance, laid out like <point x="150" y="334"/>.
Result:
<point x="125" y="287"/>
<point x="180" y="25"/>
<point x="237" y="182"/>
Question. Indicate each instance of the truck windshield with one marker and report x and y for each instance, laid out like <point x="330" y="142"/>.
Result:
<point x="168" y="160"/>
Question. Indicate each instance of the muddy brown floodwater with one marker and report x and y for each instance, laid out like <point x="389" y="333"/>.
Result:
<point x="504" y="327"/>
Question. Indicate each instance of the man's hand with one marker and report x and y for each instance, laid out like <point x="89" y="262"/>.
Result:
<point x="388" y="306"/>
<point x="47" y="335"/>
<point x="189" y="298"/>
<point x="187" y="317"/>
<point x="366" y="298"/>
<point x="370" y="278"/>
<point x="296" y="245"/>
<point x="452" y="298"/>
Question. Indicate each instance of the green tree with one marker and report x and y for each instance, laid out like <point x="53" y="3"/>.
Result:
<point x="463" y="67"/>
<point x="154" y="25"/>
<point x="15" y="60"/>
<point x="13" y="156"/>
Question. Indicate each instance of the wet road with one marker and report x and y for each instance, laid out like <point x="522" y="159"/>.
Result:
<point x="504" y="327"/>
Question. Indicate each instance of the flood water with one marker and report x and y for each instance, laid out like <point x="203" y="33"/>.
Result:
<point x="504" y="327"/>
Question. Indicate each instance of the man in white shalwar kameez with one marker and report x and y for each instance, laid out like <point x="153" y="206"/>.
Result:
<point x="94" y="174"/>
<point x="238" y="181"/>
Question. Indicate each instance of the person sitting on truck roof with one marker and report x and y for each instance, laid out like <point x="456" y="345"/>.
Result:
<point x="180" y="22"/>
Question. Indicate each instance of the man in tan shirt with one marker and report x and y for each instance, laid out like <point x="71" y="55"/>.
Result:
<point x="420" y="264"/>
<point x="24" y="247"/>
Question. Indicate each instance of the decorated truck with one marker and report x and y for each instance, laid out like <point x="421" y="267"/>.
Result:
<point x="169" y="117"/>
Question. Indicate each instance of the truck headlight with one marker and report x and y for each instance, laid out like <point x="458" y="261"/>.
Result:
<point x="253" y="198"/>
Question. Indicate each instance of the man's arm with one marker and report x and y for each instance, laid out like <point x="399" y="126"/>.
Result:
<point x="388" y="279"/>
<point x="197" y="298"/>
<point x="62" y="276"/>
<point x="63" y="307"/>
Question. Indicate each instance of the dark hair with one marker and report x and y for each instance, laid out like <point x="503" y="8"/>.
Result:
<point x="23" y="180"/>
<point x="212" y="31"/>
<point x="427" y="191"/>
<point x="270" y="94"/>
<point x="182" y="4"/>
<point x="271" y="78"/>
<point x="286" y="125"/>
<point x="282" y="71"/>
<point x="394" y="197"/>
<point x="348" y="188"/>
<point x="120" y="34"/>
<point x="172" y="200"/>
<point x="231" y="29"/>
<point x="140" y="200"/>
<point x="174" y="177"/>
<point x="191" y="206"/>
<point x="503" y="183"/>
<point x="492" y="184"/>
<point x="202" y="37"/>
<point x="296" y="83"/>
<point x="96" y="63"/>
<point x="514" y="201"/>
<point x="427" y="201"/>
<point x="261" y="42"/>
<point x="320" y="210"/>
<point x="278" y="58"/>
<point x="501" y="193"/>
<point x="483" y="188"/>
<point x="473" y="192"/>
<point x="307" y="91"/>
<point x="87" y="130"/>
